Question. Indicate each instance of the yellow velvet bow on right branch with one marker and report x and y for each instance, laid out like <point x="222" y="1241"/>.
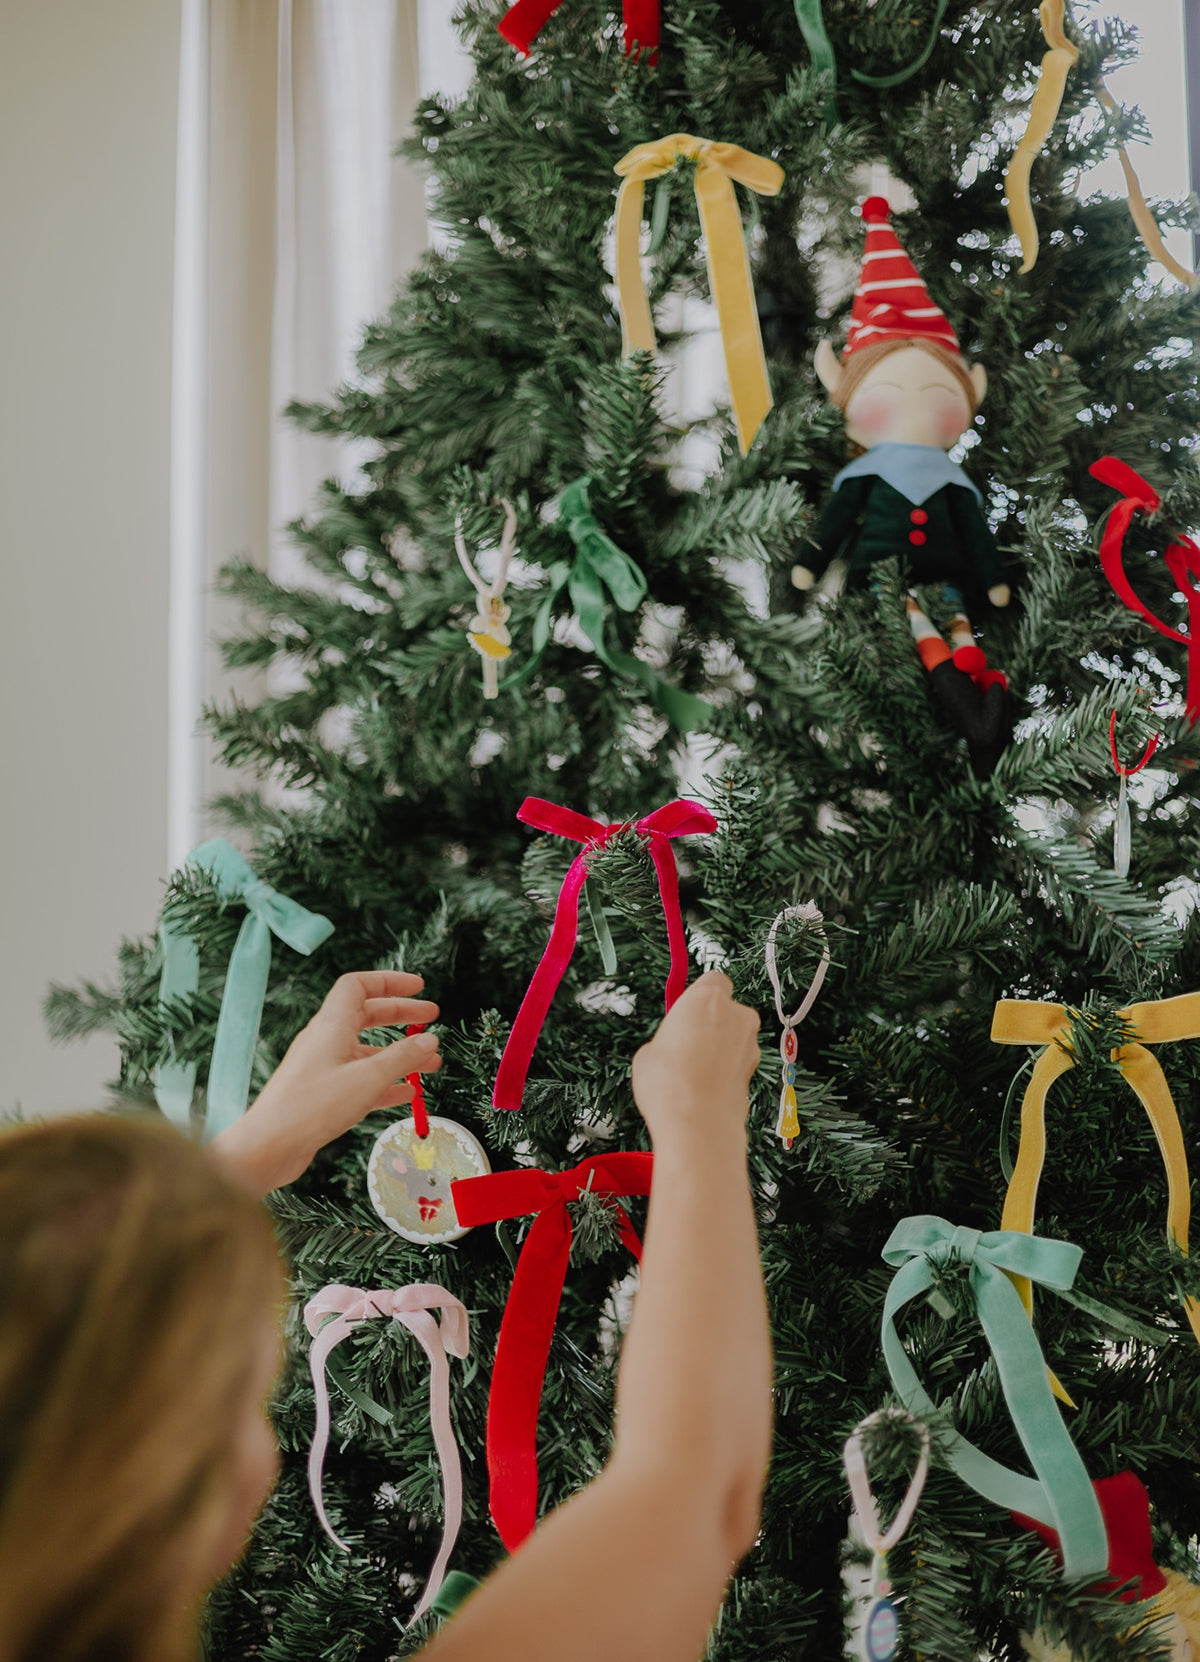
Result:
<point x="1028" y="1022"/>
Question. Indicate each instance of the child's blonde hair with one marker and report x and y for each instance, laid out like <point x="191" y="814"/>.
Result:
<point x="136" y="1280"/>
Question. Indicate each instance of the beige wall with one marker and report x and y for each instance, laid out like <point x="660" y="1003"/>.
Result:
<point x="87" y="159"/>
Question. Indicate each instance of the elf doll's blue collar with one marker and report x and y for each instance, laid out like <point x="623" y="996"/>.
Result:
<point x="915" y="470"/>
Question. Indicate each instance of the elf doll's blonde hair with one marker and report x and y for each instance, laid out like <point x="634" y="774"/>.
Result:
<point x="136" y="1282"/>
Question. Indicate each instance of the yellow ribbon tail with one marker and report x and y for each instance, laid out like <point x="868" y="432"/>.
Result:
<point x="1139" y="210"/>
<point x="733" y="295"/>
<point x="1020" y="1203"/>
<point x="637" y="325"/>
<point x="1042" y="115"/>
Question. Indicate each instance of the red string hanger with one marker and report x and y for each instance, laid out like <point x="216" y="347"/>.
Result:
<point x="681" y="818"/>
<point x="419" y="1113"/>
<point x="1182" y="560"/>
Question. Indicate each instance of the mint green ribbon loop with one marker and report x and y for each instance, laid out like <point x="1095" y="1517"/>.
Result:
<point x="267" y="913"/>
<point x="1061" y="1496"/>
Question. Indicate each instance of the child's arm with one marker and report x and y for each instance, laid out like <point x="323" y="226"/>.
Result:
<point x="636" y="1564"/>
<point x="329" y="1079"/>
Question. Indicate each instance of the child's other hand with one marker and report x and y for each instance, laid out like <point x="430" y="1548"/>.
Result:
<point x="329" y="1078"/>
<point x="695" y="1072"/>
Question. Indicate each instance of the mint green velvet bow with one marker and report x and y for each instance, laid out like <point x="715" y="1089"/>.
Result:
<point x="1061" y="1496"/>
<point x="267" y="913"/>
<point x="601" y="568"/>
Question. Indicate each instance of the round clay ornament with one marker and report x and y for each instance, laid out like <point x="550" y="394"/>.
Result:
<point x="409" y="1177"/>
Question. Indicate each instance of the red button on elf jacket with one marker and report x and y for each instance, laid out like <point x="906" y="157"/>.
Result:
<point x="918" y="516"/>
<point x="917" y="537"/>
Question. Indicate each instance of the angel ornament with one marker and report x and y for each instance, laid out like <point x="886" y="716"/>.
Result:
<point x="486" y="631"/>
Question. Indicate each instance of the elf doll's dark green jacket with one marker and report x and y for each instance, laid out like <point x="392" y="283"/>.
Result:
<point x="911" y="502"/>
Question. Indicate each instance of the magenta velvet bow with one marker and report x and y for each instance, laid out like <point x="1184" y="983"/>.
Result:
<point x="681" y="818"/>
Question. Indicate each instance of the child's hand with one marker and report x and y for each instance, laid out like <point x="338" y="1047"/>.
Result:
<point x="329" y="1078"/>
<point x="694" y="1073"/>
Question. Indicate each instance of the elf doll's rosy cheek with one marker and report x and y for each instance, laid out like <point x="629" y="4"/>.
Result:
<point x="949" y="412"/>
<point x="873" y="413"/>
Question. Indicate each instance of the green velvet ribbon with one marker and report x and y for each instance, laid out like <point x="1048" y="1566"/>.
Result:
<point x="267" y="913"/>
<point x="1061" y="1496"/>
<point x="816" y="37"/>
<point x="601" y="571"/>
<point x="820" y="49"/>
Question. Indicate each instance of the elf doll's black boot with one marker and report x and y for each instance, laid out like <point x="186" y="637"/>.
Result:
<point x="983" y="719"/>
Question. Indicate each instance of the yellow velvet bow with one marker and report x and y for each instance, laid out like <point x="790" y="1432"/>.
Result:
<point x="1025" y="1022"/>
<point x="717" y="165"/>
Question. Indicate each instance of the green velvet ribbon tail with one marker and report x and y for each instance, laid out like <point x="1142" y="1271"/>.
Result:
<point x="1007" y="1168"/>
<point x="457" y="1587"/>
<point x="604" y="940"/>
<point x="268" y="913"/>
<point x="922" y="57"/>
<point x="820" y="49"/>
<point x="660" y="213"/>
<point x="1061" y="1496"/>
<point x="601" y="566"/>
<point x="543" y="618"/>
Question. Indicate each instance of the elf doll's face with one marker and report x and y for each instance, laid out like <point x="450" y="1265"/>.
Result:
<point x="908" y="397"/>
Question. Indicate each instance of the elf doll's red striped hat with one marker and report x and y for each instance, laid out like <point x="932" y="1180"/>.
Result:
<point x="891" y="302"/>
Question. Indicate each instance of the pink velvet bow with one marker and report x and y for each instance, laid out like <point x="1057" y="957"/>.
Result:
<point x="413" y="1306"/>
<point x="681" y="818"/>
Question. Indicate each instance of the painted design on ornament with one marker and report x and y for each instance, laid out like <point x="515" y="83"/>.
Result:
<point x="409" y="1177"/>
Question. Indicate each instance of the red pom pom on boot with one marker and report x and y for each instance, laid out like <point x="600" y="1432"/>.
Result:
<point x="972" y="660"/>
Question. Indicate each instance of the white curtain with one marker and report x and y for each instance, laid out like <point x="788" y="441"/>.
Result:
<point x="311" y="222"/>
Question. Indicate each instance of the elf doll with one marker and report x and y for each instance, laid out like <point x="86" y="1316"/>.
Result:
<point x="908" y="396"/>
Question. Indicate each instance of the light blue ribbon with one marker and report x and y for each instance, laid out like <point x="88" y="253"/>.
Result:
<point x="267" y="913"/>
<point x="1061" y="1496"/>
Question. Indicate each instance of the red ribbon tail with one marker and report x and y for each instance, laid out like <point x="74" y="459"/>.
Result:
<point x="1183" y="562"/>
<point x="522" y="23"/>
<point x="518" y="1052"/>
<point x="522" y="1352"/>
<point x="642" y="27"/>
<point x="663" y="856"/>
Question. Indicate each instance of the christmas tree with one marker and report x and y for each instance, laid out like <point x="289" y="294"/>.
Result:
<point x="687" y="663"/>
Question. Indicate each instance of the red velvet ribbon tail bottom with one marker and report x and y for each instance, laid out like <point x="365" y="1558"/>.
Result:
<point x="1183" y="562"/>
<point x="519" y="1373"/>
<point x="539" y="995"/>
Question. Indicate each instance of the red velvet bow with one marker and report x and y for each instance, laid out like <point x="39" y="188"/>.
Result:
<point x="676" y="819"/>
<point x="1182" y="560"/>
<point x="522" y="23"/>
<point x="1125" y="1508"/>
<point x="529" y="1315"/>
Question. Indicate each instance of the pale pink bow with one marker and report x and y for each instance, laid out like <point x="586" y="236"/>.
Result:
<point x="413" y="1306"/>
